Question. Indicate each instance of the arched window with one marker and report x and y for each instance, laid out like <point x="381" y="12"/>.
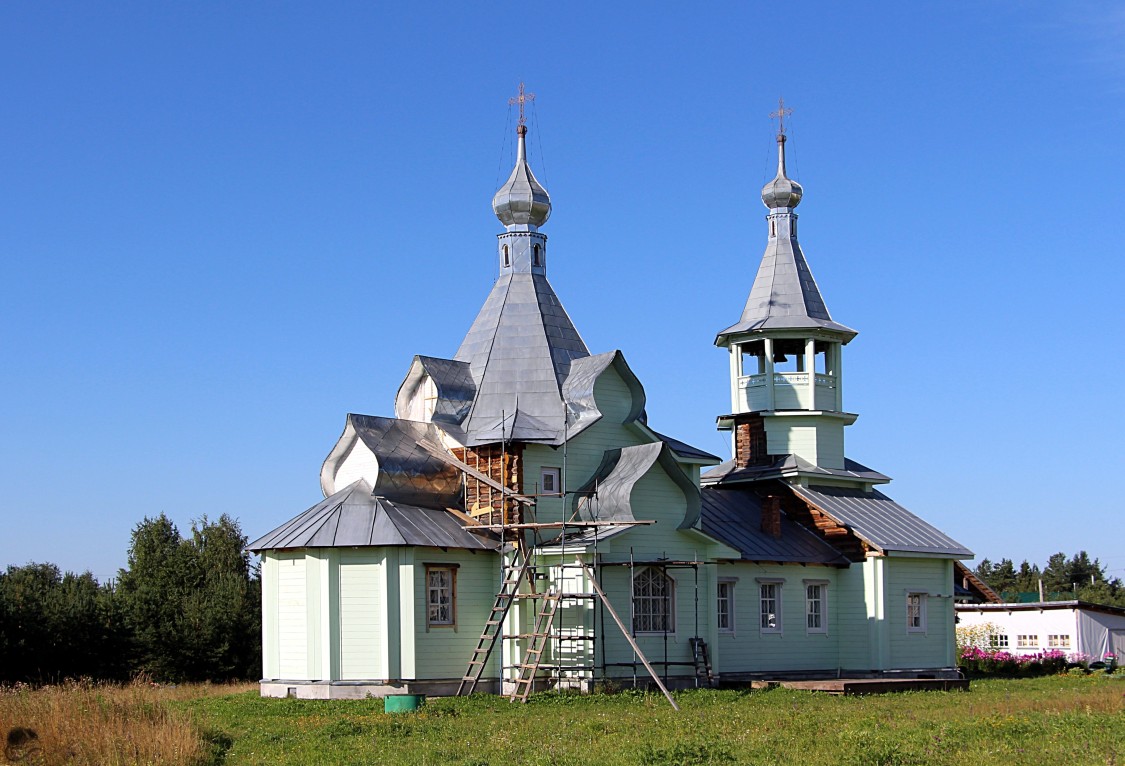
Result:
<point x="654" y="602"/>
<point x="535" y="256"/>
<point x="506" y="261"/>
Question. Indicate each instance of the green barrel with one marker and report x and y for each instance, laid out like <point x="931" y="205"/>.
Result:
<point x="403" y="703"/>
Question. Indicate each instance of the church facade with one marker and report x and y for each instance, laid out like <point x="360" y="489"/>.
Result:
<point x="518" y="524"/>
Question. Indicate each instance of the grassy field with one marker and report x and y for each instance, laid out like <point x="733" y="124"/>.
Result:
<point x="1058" y="720"/>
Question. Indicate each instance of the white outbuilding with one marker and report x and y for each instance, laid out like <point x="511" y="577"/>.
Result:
<point x="1069" y="626"/>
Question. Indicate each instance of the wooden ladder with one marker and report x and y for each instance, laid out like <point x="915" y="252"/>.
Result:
<point x="702" y="657"/>
<point x="513" y="576"/>
<point x="544" y="618"/>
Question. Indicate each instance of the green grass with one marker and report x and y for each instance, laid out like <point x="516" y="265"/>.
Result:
<point x="1058" y="720"/>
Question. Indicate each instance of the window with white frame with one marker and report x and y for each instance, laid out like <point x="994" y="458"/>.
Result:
<point x="1060" y="641"/>
<point x="769" y="606"/>
<point x="654" y="595"/>
<point x="916" y="612"/>
<point x="1027" y="641"/>
<point x="725" y="607"/>
<point x="549" y="483"/>
<point x="998" y="641"/>
<point x="816" y="606"/>
<point x="441" y="593"/>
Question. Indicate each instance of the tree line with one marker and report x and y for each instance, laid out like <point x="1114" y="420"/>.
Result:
<point x="185" y="608"/>
<point x="1063" y="579"/>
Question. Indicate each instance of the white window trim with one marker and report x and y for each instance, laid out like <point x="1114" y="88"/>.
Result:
<point x="923" y="597"/>
<point x="557" y="473"/>
<point x="671" y="605"/>
<point x="779" y="608"/>
<point x="823" y="584"/>
<point x="731" y="614"/>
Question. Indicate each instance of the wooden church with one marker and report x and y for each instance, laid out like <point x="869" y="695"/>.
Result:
<point x="518" y="524"/>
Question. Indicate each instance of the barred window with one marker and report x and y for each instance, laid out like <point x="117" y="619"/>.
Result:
<point x="440" y="594"/>
<point x="653" y="602"/>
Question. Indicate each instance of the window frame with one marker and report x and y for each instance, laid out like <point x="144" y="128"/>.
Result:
<point x="452" y="587"/>
<point x="1027" y="640"/>
<point x="999" y="641"/>
<point x="1058" y="640"/>
<point x="669" y="599"/>
<point x="728" y="583"/>
<point x="554" y="472"/>
<point x="923" y="598"/>
<point x="822" y="585"/>
<point x="778" y="584"/>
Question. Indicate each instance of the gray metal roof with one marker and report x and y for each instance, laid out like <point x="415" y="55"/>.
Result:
<point x="880" y="521"/>
<point x="519" y="350"/>
<point x="578" y="390"/>
<point x="734" y="516"/>
<point x="453" y="381"/>
<point x="685" y="450"/>
<point x="782" y="465"/>
<point x="607" y="496"/>
<point x="408" y="472"/>
<point x="784" y="295"/>
<point x="354" y="517"/>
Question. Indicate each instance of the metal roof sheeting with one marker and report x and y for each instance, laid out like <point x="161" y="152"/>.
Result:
<point x="353" y="517"/>
<point x="734" y="516"/>
<point x="880" y="521"/>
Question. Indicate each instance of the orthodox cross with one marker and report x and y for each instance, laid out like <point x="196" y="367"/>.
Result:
<point x="521" y="99"/>
<point x="781" y="114"/>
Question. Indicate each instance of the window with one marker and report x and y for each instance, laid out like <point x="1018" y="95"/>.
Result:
<point x="725" y="607"/>
<point x="998" y="641"/>
<point x="549" y="481"/>
<point x="915" y="612"/>
<point x="1030" y="641"/>
<point x="507" y="262"/>
<point x="770" y="606"/>
<point x="653" y="602"/>
<point x="816" y="607"/>
<point x="1058" y="642"/>
<point x="773" y="228"/>
<point x="535" y="256"/>
<point x="441" y="593"/>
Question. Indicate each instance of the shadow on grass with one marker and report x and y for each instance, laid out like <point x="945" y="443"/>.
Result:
<point x="219" y="744"/>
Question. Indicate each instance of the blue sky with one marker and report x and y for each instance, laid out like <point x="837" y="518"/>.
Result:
<point x="224" y="226"/>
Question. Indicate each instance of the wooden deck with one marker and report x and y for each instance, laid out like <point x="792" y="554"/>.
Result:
<point x="851" y="686"/>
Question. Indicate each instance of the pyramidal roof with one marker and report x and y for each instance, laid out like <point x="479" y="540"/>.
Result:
<point x="784" y="294"/>
<point x="520" y="346"/>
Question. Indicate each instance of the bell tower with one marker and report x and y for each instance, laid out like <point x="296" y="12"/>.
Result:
<point x="786" y="353"/>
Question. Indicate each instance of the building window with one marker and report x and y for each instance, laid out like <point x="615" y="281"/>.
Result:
<point x="770" y="607"/>
<point x="725" y="606"/>
<point x="441" y="595"/>
<point x="535" y="256"/>
<point x="1058" y="642"/>
<point x="998" y="641"/>
<point x="816" y="607"/>
<point x="653" y="602"/>
<point x="773" y="228"/>
<point x="915" y="612"/>
<point x="549" y="481"/>
<point x="507" y="262"/>
<point x="1027" y="641"/>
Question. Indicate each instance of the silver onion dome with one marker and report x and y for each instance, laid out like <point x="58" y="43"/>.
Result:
<point x="522" y="200"/>
<point x="781" y="191"/>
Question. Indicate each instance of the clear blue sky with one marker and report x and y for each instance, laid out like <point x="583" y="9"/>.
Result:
<point x="223" y="226"/>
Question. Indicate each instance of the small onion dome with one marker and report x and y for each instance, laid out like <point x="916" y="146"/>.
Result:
<point x="522" y="200"/>
<point x="781" y="191"/>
